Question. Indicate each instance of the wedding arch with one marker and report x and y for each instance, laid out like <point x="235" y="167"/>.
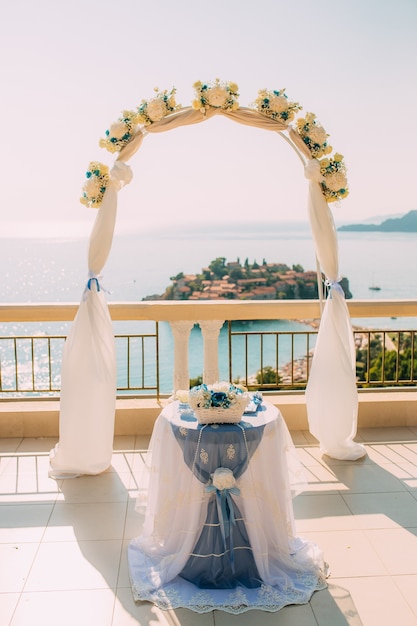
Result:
<point x="88" y="373"/>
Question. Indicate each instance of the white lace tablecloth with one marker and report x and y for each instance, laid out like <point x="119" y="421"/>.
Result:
<point x="182" y="550"/>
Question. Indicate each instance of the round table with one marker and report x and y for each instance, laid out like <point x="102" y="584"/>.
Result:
<point x="233" y="549"/>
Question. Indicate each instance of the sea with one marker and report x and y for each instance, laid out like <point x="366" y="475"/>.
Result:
<point x="140" y="264"/>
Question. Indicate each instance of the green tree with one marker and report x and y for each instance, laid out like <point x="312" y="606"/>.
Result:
<point x="268" y="376"/>
<point x="236" y="273"/>
<point x="218" y="267"/>
<point x="177" y="277"/>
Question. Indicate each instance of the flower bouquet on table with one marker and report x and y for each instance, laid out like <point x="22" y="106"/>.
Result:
<point x="220" y="403"/>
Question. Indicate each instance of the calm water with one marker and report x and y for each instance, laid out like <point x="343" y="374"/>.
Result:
<point x="36" y="270"/>
<point x="50" y="270"/>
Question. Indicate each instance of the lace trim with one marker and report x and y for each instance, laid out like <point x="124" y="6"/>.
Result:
<point x="235" y="601"/>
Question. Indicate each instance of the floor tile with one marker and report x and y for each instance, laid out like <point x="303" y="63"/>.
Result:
<point x="129" y="613"/>
<point x="16" y="560"/>
<point x="37" y="445"/>
<point x="75" y="565"/>
<point x="83" y="521"/>
<point x="334" y="606"/>
<point x="378" y="601"/>
<point x="124" y="578"/>
<point x="367" y="478"/>
<point x="65" y="608"/>
<point x="390" y="434"/>
<point x="134" y="521"/>
<point x="8" y="603"/>
<point x="142" y="442"/>
<point x="397" y="549"/>
<point x="25" y="479"/>
<point x="121" y="462"/>
<point x="323" y="512"/>
<point x="106" y="487"/>
<point x="298" y="438"/>
<point x="319" y="479"/>
<point x="407" y="586"/>
<point x="9" y="444"/>
<point x="382" y="510"/>
<point x="24" y="522"/>
<point x="348" y="552"/>
<point x="124" y="442"/>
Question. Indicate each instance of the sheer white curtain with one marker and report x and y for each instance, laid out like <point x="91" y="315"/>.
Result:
<point x="88" y="388"/>
<point x="331" y="394"/>
<point x="88" y="371"/>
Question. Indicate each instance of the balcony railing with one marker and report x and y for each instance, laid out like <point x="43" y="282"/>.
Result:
<point x="265" y="359"/>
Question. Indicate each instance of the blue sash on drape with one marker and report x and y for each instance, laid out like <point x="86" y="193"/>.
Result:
<point x="219" y="562"/>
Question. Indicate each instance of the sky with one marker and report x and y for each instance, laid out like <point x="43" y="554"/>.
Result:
<point x="68" y="69"/>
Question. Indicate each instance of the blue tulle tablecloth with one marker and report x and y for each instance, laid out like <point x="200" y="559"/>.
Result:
<point x="219" y="529"/>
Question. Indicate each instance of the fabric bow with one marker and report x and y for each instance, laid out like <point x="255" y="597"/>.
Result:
<point x="226" y="513"/>
<point x="334" y="285"/>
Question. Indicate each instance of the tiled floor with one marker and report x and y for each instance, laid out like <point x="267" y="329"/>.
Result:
<point x="63" y="543"/>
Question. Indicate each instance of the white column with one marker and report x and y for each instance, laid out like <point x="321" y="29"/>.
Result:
<point x="181" y="332"/>
<point x="210" y="330"/>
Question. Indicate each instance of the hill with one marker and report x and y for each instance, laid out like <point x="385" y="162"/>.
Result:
<point x="405" y="224"/>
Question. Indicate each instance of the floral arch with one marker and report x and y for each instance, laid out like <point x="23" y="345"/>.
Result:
<point x="88" y="389"/>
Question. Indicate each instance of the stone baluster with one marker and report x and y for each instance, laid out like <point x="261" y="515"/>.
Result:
<point x="211" y="330"/>
<point x="181" y="332"/>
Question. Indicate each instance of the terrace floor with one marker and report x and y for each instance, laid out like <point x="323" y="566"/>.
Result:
<point x="63" y="543"/>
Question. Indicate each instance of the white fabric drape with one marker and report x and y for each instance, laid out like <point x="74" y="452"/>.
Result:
<point x="88" y="387"/>
<point x="88" y="372"/>
<point x="331" y="394"/>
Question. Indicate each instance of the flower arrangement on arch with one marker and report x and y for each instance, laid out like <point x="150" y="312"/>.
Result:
<point x="120" y="132"/>
<point x="216" y="95"/>
<point x="334" y="186"/>
<point x="98" y="177"/>
<point x="158" y="107"/>
<point x="313" y="135"/>
<point x="276" y="105"/>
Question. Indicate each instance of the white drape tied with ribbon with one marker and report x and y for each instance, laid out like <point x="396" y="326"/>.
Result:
<point x="88" y="372"/>
<point x="331" y="394"/>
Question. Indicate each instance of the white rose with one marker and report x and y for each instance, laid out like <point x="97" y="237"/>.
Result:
<point x="217" y="96"/>
<point x="92" y="187"/>
<point x="156" y="109"/>
<point x="318" y="135"/>
<point x="335" y="181"/>
<point x="118" y="130"/>
<point x="223" y="386"/>
<point x="223" y="478"/>
<point x="182" y="395"/>
<point x="278" y="104"/>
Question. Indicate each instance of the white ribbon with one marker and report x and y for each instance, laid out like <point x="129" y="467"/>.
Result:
<point x="334" y="285"/>
<point x="120" y="175"/>
<point x="312" y="171"/>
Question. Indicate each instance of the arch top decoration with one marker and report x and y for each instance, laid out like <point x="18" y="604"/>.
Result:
<point x="88" y="373"/>
<point x="271" y="111"/>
